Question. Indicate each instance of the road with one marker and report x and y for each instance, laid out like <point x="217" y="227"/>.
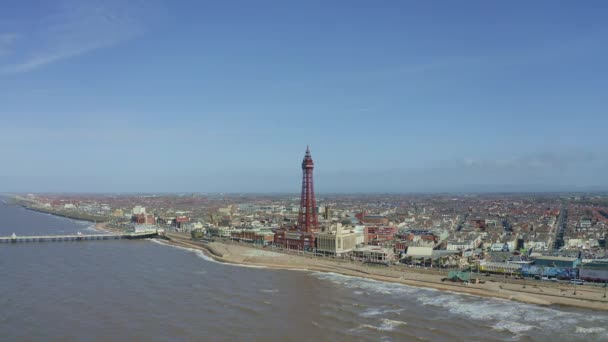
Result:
<point x="562" y="222"/>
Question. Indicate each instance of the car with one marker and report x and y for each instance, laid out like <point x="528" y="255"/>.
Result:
<point x="577" y="281"/>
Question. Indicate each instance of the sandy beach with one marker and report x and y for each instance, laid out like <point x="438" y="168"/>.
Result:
<point x="589" y="297"/>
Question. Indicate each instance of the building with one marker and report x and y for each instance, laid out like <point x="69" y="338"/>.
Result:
<point x="374" y="254"/>
<point x="138" y="210"/>
<point x="143" y="219"/>
<point x="419" y="252"/>
<point x="499" y="247"/>
<point x="554" y="267"/>
<point x="461" y="245"/>
<point x="374" y="219"/>
<point x="553" y="261"/>
<point x="337" y="241"/>
<point x="423" y="237"/>
<point x="499" y="267"/>
<point x="222" y="232"/>
<point x="379" y="234"/>
<point x="178" y="221"/>
<point x="256" y="236"/>
<point x="595" y="271"/>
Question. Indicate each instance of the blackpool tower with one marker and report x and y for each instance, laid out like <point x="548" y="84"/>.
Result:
<point x="307" y="219"/>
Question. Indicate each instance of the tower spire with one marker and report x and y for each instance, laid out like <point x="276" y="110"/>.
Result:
<point x="307" y="218"/>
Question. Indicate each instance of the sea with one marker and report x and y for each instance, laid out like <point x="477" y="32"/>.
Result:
<point x="145" y="290"/>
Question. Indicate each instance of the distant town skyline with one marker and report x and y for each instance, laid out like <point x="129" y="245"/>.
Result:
<point x="395" y="97"/>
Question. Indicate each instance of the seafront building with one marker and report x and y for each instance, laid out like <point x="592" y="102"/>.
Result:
<point x="337" y="241"/>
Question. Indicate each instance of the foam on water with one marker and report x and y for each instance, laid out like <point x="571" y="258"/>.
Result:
<point x="498" y="313"/>
<point x="391" y="324"/>
<point x="385" y="325"/>
<point x="594" y="330"/>
<point x="513" y="327"/>
<point x="379" y="311"/>
<point x="366" y="284"/>
<point x="269" y="290"/>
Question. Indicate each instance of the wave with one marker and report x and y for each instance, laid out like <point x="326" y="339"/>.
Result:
<point x="379" y="311"/>
<point x="269" y="290"/>
<point x="513" y="327"/>
<point x="593" y="330"/>
<point x="498" y="314"/>
<point x="385" y="325"/>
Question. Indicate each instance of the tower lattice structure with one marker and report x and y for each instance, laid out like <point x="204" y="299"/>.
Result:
<point x="307" y="218"/>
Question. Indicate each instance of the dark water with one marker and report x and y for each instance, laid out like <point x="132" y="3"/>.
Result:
<point x="142" y="290"/>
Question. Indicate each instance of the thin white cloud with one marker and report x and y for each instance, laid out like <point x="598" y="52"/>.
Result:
<point x="398" y="71"/>
<point x="539" y="160"/>
<point x="6" y="41"/>
<point x="47" y="58"/>
<point x="72" y="29"/>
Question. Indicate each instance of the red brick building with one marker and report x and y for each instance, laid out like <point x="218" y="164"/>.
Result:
<point x="294" y="239"/>
<point x="379" y="234"/>
<point x="177" y="222"/>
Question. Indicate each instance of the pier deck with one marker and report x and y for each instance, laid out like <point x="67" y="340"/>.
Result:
<point x="76" y="237"/>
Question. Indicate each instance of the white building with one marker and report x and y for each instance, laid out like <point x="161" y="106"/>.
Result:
<point x="139" y="210"/>
<point x="374" y="254"/>
<point x="418" y="251"/>
<point x="358" y="230"/>
<point x="461" y="245"/>
<point x="337" y="241"/>
<point x="499" y="247"/>
<point x="537" y="245"/>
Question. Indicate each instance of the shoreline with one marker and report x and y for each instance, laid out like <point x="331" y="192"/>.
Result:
<point x="256" y="257"/>
<point x="60" y="214"/>
<point x="101" y="226"/>
<point x="589" y="298"/>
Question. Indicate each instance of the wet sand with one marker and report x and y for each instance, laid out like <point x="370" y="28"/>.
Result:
<point x="588" y="297"/>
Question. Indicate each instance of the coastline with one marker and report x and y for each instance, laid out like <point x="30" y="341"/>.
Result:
<point x="101" y="226"/>
<point x="72" y="216"/>
<point x="587" y="298"/>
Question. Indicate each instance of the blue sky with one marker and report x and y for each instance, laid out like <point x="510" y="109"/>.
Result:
<point x="224" y="96"/>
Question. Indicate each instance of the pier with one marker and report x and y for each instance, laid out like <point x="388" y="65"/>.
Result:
<point x="76" y="237"/>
